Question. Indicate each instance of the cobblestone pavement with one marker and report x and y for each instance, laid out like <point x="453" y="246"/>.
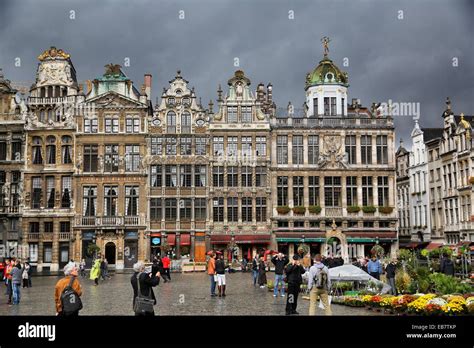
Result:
<point x="186" y="294"/>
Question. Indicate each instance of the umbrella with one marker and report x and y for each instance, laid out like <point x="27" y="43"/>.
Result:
<point x="210" y="252"/>
<point x="271" y="252"/>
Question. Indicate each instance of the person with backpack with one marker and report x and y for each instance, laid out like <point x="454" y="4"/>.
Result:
<point x="68" y="292"/>
<point x="447" y="266"/>
<point x="142" y="284"/>
<point x="390" y="271"/>
<point x="255" y="269"/>
<point x="280" y="262"/>
<point x="319" y="285"/>
<point x="294" y="272"/>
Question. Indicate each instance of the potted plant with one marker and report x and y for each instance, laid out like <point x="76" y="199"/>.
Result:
<point x="283" y="209"/>
<point x="386" y="210"/>
<point x="299" y="210"/>
<point x="353" y="209"/>
<point x="369" y="209"/>
<point x="314" y="209"/>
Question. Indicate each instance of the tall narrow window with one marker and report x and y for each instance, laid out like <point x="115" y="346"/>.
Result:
<point x="232" y="114"/>
<point x="16" y="151"/>
<point x="232" y="176"/>
<point x="313" y="149"/>
<point x="171" y="175"/>
<point x="156" y="209"/>
<point x="37" y="156"/>
<point x="185" y="122"/>
<point x="351" y="149"/>
<point x="366" y="149"/>
<point x="315" y="107"/>
<point x="246" y="147"/>
<point x="3" y="150"/>
<point x="171" y="146"/>
<point x="200" y="209"/>
<point x="156" y="176"/>
<point x="232" y="209"/>
<point x="218" y="209"/>
<point x="261" y="209"/>
<point x="132" y="158"/>
<point x="131" y="200"/>
<point x="66" y="149"/>
<point x="185" y="175"/>
<point x="247" y="209"/>
<point x="51" y="150"/>
<point x="3" y="178"/>
<point x="297" y="149"/>
<point x="66" y="187"/>
<point x="185" y="143"/>
<point x="200" y="146"/>
<point x="282" y="149"/>
<point x="232" y="143"/>
<point x="246" y="176"/>
<point x="367" y="191"/>
<point x="382" y="149"/>
<point x="50" y="191"/>
<point x="111" y="159"/>
<point x="282" y="190"/>
<point x="260" y="176"/>
<point x="298" y="189"/>
<point x="382" y="190"/>
<point x="333" y="106"/>
<point x="89" y="198"/>
<point x="218" y="176"/>
<point x="200" y="176"/>
<point x="351" y="190"/>
<point x="246" y="114"/>
<point x="90" y="158"/>
<point x="170" y="209"/>
<point x="171" y="122"/>
<point x="156" y="146"/>
<point x="110" y="200"/>
<point x="37" y="189"/>
<point x="343" y="106"/>
<point x="185" y="209"/>
<point x="332" y="191"/>
<point x="218" y="146"/>
<point x="313" y="190"/>
<point x="261" y="146"/>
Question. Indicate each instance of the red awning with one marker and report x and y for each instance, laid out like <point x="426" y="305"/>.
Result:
<point x="155" y="234"/>
<point x="433" y="246"/>
<point x="171" y="238"/>
<point x="185" y="239"/>
<point x="241" y="239"/>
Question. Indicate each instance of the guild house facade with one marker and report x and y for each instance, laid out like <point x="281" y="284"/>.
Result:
<point x="101" y="171"/>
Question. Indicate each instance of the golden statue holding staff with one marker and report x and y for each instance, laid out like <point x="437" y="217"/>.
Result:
<point x="325" y="40"/>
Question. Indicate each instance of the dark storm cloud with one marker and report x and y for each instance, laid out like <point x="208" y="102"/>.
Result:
<point x="403" y="60"/>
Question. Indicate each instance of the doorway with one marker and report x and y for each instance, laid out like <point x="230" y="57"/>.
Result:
<point x="110" y="253"/>
<point x="130" y="253"/>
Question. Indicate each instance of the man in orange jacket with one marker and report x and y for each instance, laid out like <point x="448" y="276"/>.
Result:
<point x="211" y="271"/>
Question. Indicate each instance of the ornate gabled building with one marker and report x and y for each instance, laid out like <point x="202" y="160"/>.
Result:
<point x="333" y="171"/>
<point x="110" y="177"/>
<point x="240" y="191"/>
<point x="403" y="194"/>
<point x="12" y="160"/>
<point x="48" y="178"/>
<point x="177" y="166"/>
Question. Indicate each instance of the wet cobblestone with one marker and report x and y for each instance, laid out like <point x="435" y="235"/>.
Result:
<point x="186" y="294"/>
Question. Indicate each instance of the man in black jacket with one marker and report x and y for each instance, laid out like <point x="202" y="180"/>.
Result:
<point x="147" y="282"/>
<point x="447" y="266"/>
<point x="390" y="270"/>
<point x="280" y="262"/>
<point x="294" y="272"/>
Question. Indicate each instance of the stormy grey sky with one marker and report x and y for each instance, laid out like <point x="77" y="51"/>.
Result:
<point x="406" y="60"/>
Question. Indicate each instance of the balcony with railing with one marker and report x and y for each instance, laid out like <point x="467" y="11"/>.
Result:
<point x="333" y="212"/>
<point x="33" y="236"/>
<point x="64" y="236"/>
<point x="12" y="235"/>
<point x="333" y="122"/>
<point x="52" y="100"/>
<point x="85" y="221"/>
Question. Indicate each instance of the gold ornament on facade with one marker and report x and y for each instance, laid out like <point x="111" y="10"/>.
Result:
<point x="53" y="53"/>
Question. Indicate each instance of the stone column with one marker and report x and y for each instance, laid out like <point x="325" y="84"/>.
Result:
<point x="358" y="151"/>
<point x="290" y="149"/>
<point x="193" y="238"/>
<point x="55" y="251"/>
<point x="39" y="268"/>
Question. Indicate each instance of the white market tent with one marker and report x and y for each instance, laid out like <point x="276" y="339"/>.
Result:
<point x="352" y="273"/>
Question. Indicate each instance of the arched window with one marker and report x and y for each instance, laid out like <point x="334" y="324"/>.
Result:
<point x="66" y="149"/>
<point x="57" y="92"/>
<point x="42" y="116"/>
<point x="51" y="150"/>
<point x="37" y="157"/>
<point x="171" y="122"/>
<point x="50" y="91"/>
<point x="42" y="92"/>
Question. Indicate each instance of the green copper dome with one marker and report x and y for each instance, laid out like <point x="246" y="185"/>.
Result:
<point x="326" y="73"/>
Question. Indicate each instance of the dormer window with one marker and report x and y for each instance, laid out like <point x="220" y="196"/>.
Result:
<point x="329" y="77"/>
<point x="246" y="114"/>
<point x="232" y="114"/>
<point x="186" y="101"/>
<point x="171" y="101"/>
<point x="178" y="92"/>
<point x="329" y="106"/>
